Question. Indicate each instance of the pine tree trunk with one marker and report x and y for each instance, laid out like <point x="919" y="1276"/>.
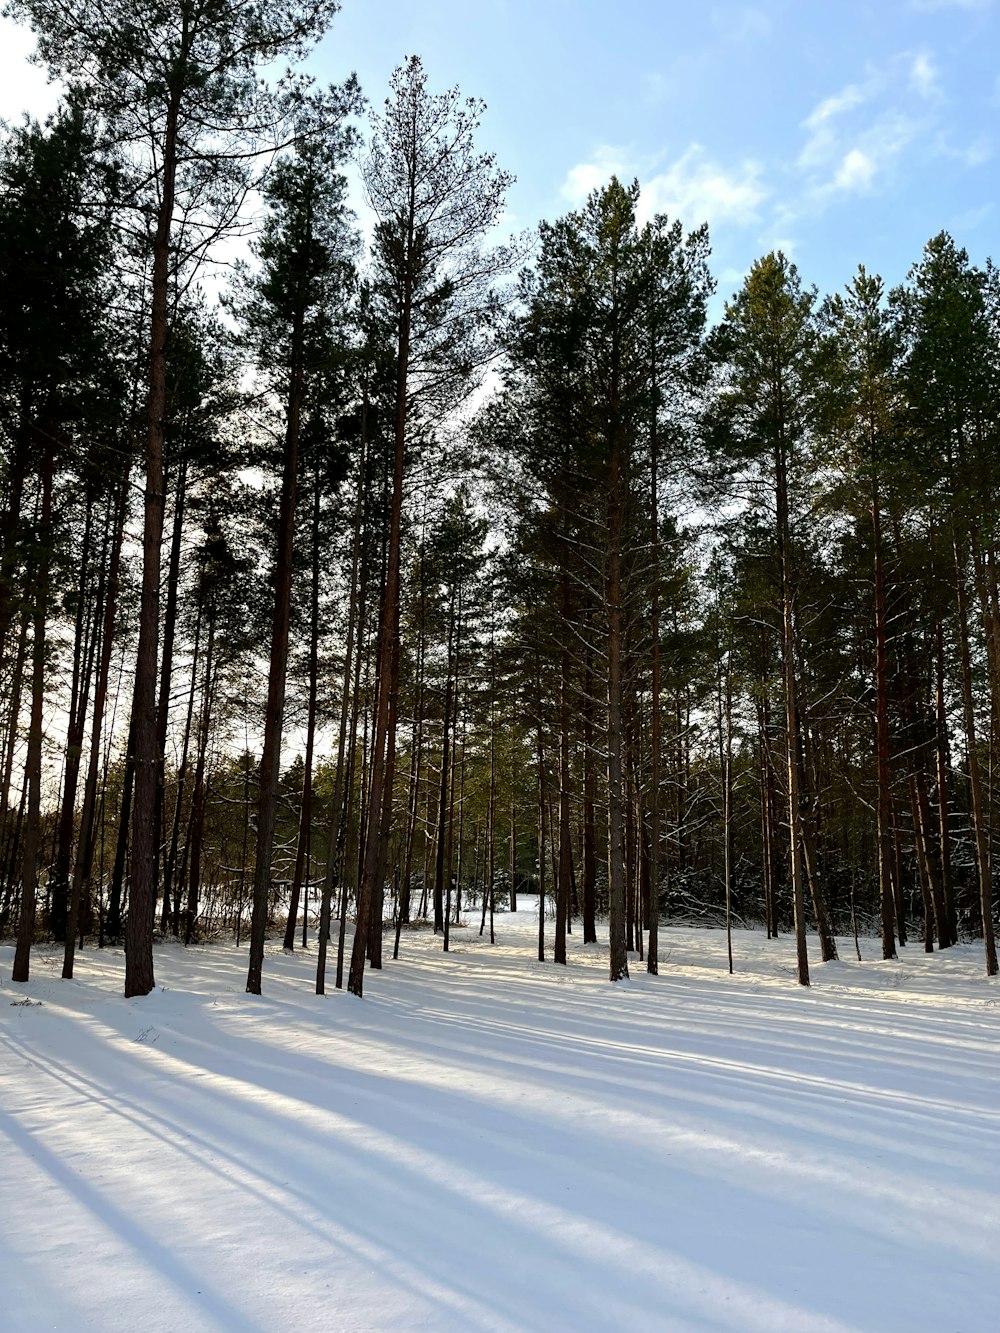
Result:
<point x="83" y="662"/>
<point x="171" y="880"/>
<point x="113" y="922"/>
<point x="139" y="979"/>
<point x="884" y="804"/>
<point x="9" y="546"/>
<point x="925" y="850"/>
<point x="540" y="755"/>
<point x="924" y="874"/>
<point x="389" y="636"/>
<point x="942" y="767"/>
<point x="652" y="952"/>
<point x="589" y="813"/>
<point x="442" y="813"/>
<point x="10" y="748"/>
<point x="491" y="828"/>
<point x="337" y="859"/>
<point x="199" y="794"/>
<point x="983" y="864"/>
<point x="416" y="754"/>
<point x="85" y="844"/>
<point x="270" y="764"/>
<point x="618" y="957"/>
<point x="564" y="884"/>
<point x="305" y="813"/>
<point x="33" y="762"/>
<point x="166" y="672"/>
<point x="791" y="717"/>
<point x="461" y="810"/>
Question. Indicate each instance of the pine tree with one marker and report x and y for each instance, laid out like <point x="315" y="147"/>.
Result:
<point x="435" y="199"/>
<point x="294" y="315"/>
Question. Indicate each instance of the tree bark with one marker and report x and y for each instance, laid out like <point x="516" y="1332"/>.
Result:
<point x="84" y="647"/>
<point x="86" y="840"/>
<point x="791" y="716"/>
<point x="33" y="762"/>
<point x="305" y="812"/>
<point x="139" y="978"/>
<point x="884" y="804"/>
<point x="983" y="864"/>
<point x="618" y="957"/>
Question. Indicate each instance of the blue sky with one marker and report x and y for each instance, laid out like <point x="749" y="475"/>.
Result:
<point x="844" y="132"/>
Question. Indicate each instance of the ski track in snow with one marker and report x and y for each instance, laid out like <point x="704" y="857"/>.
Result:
<point x="490" y="1143"/>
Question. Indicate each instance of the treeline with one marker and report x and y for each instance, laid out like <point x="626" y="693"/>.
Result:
<point x="665" y="622"/>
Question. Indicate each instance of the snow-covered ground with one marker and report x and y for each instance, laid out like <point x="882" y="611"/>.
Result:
<point x="485" y="1142"/>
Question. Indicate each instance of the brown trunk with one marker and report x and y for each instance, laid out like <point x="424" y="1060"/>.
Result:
<point x="618" y="957"/>
<point x="84" y="647"/>
<point x="766" y="814"/>
<point x="725" y="714"/>
<point x="199" y="795"/>
<point x="925" y="850"/>
<point x="380" y="791"/>
<point x="305" y="812"/>
<point x="166" y="673"/>
<point x="17" y="684"/>
<point x="791" y="717"/>
<point x="652" y="954"/>
<point x="113" y="924"/>
<point x="9" y="545"/>
<point x="884" y="805"/>
<point x="924" y="872"/>
<point x="461" y="813"/>
<point x="488" y="887"/>
<point x="589" y="812"/>
<point x="416" y="754"/>
<point x="85" y="844"/>
<point x="983" y="865"/>
<point x="171" y="880"/>
<point x="540" y="757"/>
<point x="270" y="764"/>
<point x="139" y="979"/>
<point x="449" y="859"/>
<point x="349" y="703"/>
<point x="445" y="787"/>
<point x="942" y="766"/>
<point x="513" y="857"/>
<point x="33" y="762"/>
<point x="564" y="885"/>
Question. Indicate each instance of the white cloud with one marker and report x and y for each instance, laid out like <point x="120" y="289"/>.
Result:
<point x="694" y="187"/>
<point x="820" y="123"/>
<point x="856" y="172"/>
<point x="873" y="154"/>
<point x="697" y="189"/>
<point x="924" y="75"/>
<point x="848" y="98"/>
<point x="855" y="137"/>
<point x="586" y="177"/>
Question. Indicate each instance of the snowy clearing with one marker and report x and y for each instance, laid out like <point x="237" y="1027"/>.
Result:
<point x="485" y="1142"/>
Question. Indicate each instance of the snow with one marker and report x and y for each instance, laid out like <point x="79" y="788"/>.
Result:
<point x="486" y="1142"/>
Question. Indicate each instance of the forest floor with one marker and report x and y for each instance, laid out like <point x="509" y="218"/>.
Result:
<point x="486" y="1142"/>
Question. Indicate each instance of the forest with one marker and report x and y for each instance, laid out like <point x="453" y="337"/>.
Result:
<point x="364" y="569"/>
